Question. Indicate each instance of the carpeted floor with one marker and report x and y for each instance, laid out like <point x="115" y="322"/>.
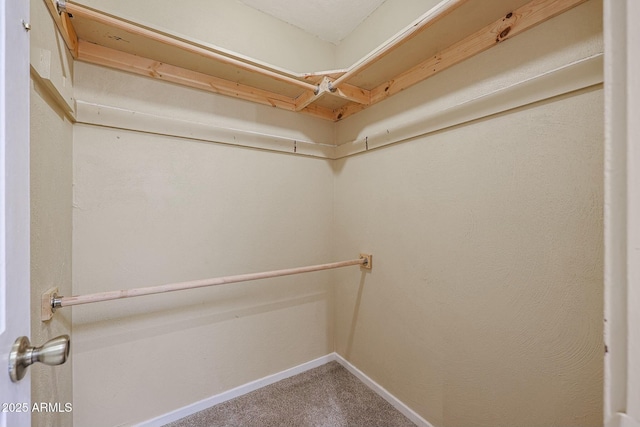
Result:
<point x="327" y="396"/>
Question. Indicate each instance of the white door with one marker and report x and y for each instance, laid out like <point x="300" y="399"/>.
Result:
<point x="633" y="208"/>
<point x="14" y="204"/>
<point x="622" y="213"/>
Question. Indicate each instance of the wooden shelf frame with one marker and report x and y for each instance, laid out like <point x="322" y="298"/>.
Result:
<point x="98" y="38"/>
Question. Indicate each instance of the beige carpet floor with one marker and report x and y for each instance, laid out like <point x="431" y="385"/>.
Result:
<point x="327" y="396"/>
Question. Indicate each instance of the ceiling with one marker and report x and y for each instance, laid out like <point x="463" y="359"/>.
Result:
<point x="330" y="20"/>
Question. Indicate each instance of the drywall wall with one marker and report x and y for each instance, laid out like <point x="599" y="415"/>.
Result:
<point x="51" y="195"/>
<point x="558" y="43"/>
<point x="116" y="99"/>
<point x="231" y="25"/>
<point x="388" y="19"/>
<point x="484" y="306"/>
<point x="152" y="209"/>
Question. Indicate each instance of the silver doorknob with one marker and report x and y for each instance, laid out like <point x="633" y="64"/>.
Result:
<point x="53" y="352"/>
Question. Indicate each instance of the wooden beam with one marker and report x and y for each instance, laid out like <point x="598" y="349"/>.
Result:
<point x="100" y="55"/>
<point x="93" y="15"/>
<point x="317" y="76"/>
<point x="319" y="111"/>
<point x="506" y="27"/>
<point x="514" y="23"/>
<point x="351" y="93"/>
<point x="65" y="27"/>
<point x="307" y="98"/>
<point x="348" y="92"/>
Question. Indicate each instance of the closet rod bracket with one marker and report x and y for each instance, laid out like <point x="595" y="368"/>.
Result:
<point x="50" y="302"/>
<point x="61" y="6"/>
<point x="367" y="261"/>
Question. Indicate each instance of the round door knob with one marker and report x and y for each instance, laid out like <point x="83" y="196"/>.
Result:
<point x="53" y="352"/>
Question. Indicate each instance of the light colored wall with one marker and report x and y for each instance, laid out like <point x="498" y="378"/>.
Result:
<point x="231" y="25"/>
<point x="104" y="91"/>
<point x="51" y="194"/>
<point x="388" y="19"/>
<point x="557" y="43"/>
<point x="152" y="209"/>
<point x="484" y="306"/>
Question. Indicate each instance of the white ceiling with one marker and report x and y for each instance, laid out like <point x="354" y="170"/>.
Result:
<point x="331" y="20"/>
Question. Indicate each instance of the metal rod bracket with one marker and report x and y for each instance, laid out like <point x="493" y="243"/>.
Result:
<point x="47" y="307"/>
<point x="368" y="261"/>
<point x="61" y="5"/>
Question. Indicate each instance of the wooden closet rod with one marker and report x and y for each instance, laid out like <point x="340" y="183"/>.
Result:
<point x="51" y="301"/>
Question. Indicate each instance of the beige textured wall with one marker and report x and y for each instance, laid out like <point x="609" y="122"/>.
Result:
<point x="484" y="307"/>
<point x="51" y="195"/>
<point x="485" y="303"/>
<point x="151" y="209"/>
<point x="387" y="20"/>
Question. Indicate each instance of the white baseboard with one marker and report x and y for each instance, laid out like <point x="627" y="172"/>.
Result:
<point x="621" y="420"/>
<point x="382" y="392"/>
<point x="235" y="392"/>
<point x="255" y="385"/>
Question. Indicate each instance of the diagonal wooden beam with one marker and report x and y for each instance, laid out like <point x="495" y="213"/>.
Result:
<point x="308" y="98"/>
<point x="348" y="92"/>
<point x="351" y="93"/>
<point x="65" y="27"/>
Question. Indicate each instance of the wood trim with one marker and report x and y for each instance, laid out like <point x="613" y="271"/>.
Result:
<point x="87" y="13"/>
<point x="100" y="55"/>
<point x="318" y="111"/>
<point x="333" y="83"/>
<point x="348" y="92"/>
<point x="514" y="23"/>
<point x="307" y="98"/>
<point x="65" y="27"/>
<point x="352" y="93"/>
